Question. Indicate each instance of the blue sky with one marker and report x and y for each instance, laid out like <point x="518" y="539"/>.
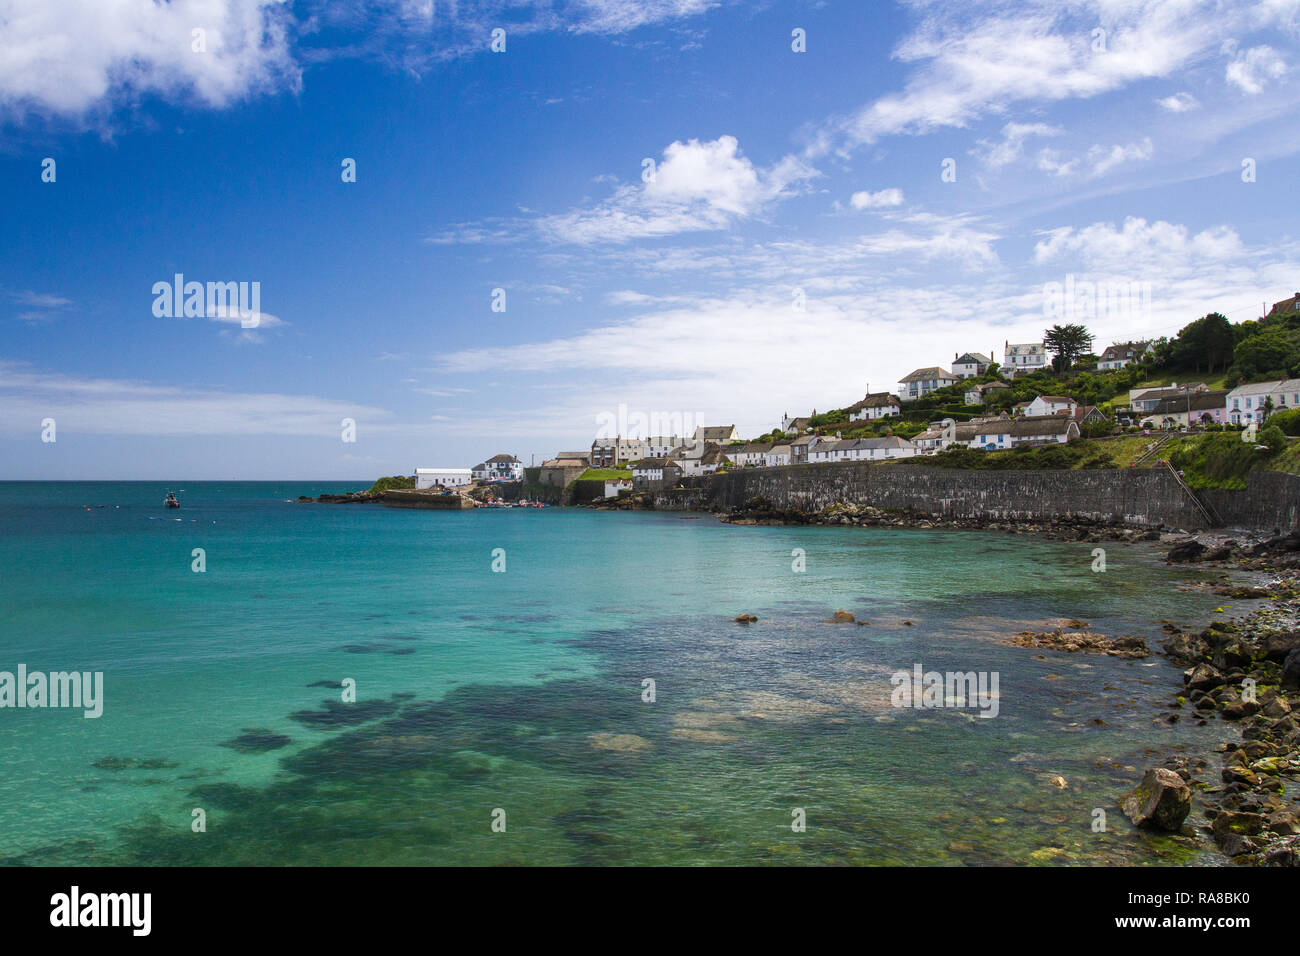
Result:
<point x="796" y="244"/>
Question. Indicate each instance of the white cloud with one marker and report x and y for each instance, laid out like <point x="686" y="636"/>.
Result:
<point x="1179" y="102"/>
<point x="1254" y="69"/>
<point x="976" y="65"/>
<point x="71" y="58"/>
<point x="884" y="198"/>
<point x="1011" y="146"/>
<point x="121" y="407"/>
<point x="698" y="186"/>
<point x="1097" y="161"/>
<point x="66" y="57"/>
<point x="1139" y="244"/>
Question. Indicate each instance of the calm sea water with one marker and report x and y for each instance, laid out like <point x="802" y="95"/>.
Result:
<point x="479" y="691"/>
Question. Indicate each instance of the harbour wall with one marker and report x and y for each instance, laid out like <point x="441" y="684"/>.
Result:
<point x="1144" y="497"/>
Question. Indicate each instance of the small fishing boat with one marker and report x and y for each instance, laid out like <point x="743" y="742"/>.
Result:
<point x="170" y="501"/>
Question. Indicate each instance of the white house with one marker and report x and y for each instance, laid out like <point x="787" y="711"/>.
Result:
<point x="1122" y="354"/>
<point x="499" y="468"/>
<point x="778" y="454"/>
<point x="655" y="471"/>
<point x="828" y="450"/>
<point x="880" y="449"/>
<point x="442" y="478"/>
<point x="1254" y="403"/>
<point x="1042" y="430"/>
<point x="612" y="488"/>
<point x="1024" y="358"/>
<point x="661" y="446"/>
<point x="875" y="405"/>
<point x="1142" y="400"/>
<point x="979" y="394"/>
<point x="925" y="380"/>
<point x="750" y="455"/>
<point x="970" y="364"/>
<point x="719" y="434"/>
<point x="993" y="436"/>
<point x="1050" y="405"/>
<point x="932" y="439"/>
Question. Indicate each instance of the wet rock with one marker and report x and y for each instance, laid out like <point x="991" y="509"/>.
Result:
<point x="1126" y="646"/>
<point x="620" y="743"/>
<point x="745" y="619"/>
<point x="1160" y="801"/>
<point x="1284" y="821"/>
<point x="1203" y="677"/>
<point x="1232" y="831"/>
<point x="842" y="617"/>
<point x="258" y="740"/>
<point x="1186" y="551"/>
<point x="1278" y="645"/>
<point x="1291" y="670"/>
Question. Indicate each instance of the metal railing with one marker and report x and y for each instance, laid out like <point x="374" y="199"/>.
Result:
<point x="1209" y="514"/>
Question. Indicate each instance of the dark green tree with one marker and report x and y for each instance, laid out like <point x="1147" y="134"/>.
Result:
<point x="1067" y="343"/>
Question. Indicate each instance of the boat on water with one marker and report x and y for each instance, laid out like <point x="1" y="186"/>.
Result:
<point x="170" y="501"/>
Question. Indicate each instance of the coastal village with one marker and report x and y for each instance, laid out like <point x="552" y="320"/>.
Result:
<point x="1053" y="392"/>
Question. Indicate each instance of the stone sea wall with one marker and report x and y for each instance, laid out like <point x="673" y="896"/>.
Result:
<point x="1136" y="496"/>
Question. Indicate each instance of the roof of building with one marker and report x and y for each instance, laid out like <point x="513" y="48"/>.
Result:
<point x="504" y="458"/>
<point x="929" y="372"/>
<point x="1036" y="426"/>
<point x="1025" y="348"/>
<point x="875" y="400"/>
<point x="973" y="358"/>
<point x="1191" y="401"/>
<point x="1124" y="350"/>
<point x="714" y="456"/>
<point x="715" y="432"/>
<point x="646" y="464"/>
<point x="1262" y="388"/>
<point x="805" y="440"/>
<point x="888" y="441"/>
<point x="1286" y="305"/>
<point x="1056" y="399"/>
<point x="572" y="454"/>
<point x="564" y="463"/>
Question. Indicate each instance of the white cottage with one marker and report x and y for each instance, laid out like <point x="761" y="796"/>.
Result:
<point x="426" y="478"/>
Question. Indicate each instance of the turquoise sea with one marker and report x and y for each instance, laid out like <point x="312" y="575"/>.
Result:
<point x="522" y="691"/>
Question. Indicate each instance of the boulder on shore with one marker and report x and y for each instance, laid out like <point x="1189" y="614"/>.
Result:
<point x="1291" y="669"/>
<point x="1162" y="800"/>
<point x="1186" y="551"/>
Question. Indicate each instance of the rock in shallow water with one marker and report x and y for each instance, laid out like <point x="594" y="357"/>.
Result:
<point x="1161" y="800"/>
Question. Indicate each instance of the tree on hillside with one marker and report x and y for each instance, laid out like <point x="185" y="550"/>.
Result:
<point x="1067" y="343"/>
<point x="1204" y="345"/>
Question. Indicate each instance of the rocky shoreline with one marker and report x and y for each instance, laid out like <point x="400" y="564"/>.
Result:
<point x="1244" y="671"/>
<point x="1248" y="672"/>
